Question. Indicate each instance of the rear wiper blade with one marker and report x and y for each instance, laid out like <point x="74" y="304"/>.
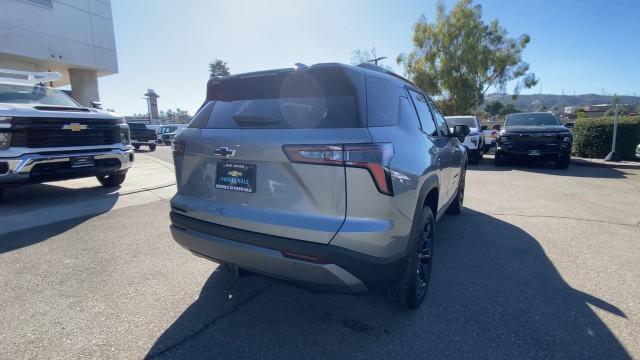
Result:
<point x="255" y="120"/>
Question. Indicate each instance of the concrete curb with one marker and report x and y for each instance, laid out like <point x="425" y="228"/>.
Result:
<point x="604" y="164"/>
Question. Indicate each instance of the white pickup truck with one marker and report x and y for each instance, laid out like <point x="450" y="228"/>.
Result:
<point x="46" y="136"/>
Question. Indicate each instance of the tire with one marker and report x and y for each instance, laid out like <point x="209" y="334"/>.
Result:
<point x="563" y="163"/>
<point x="457" y="204"/>
<point x="475" y="157"/>
<point x="112" y="180"/>
<point x="152" y="147"/>
<point x="499" y="160"/>
<point x="137" y="147"/>
<point x="414" y="282"/>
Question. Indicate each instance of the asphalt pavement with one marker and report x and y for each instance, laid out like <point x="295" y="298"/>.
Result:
<point x="162" y="153"/>
<point x="542" y="263"/>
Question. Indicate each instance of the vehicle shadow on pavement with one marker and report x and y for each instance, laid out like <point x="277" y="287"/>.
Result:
<point x="549" y="169"/>
<point x="494" y="294"/>
<point x="42" y="204"/>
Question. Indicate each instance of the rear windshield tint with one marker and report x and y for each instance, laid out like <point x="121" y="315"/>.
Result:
<point x="319" y="98"/>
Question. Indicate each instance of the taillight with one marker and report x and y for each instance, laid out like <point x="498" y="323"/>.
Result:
<point x="373" y="157"/>
<point x="178" y="147"/>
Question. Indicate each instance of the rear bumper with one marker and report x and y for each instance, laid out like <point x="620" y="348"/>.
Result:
<point x="37" y="168"/>
<point x="330" y="268"/>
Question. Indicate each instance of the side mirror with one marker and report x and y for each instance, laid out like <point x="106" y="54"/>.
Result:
<point x="483" y="127"/>
<point x="460" y="132"/>
<point x="96" y="105"/>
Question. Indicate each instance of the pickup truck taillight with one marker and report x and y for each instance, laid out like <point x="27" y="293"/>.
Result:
<point x="373" y="157"/>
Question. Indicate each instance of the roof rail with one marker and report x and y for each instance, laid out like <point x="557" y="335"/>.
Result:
<point x="379" y="69"/>
<point x="28" y="77"/>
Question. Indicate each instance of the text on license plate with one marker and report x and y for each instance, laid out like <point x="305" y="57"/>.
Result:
<point x="236" y="177"/>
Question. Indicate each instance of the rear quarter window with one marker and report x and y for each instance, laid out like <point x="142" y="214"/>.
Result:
<point x="382" y="101"/>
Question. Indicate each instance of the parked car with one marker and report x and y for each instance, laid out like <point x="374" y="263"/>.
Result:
<point x="638" y="151"/>
<point x="141" y="135"/>
<point x="168" y="132"/>
<point x="46" y="136"/>
<point x="534" y="136"/>
<point x="331" y="176"/>
<point x="157" y="129"/>
<point x="474" y="142"/>
<point x="489" y="136"/>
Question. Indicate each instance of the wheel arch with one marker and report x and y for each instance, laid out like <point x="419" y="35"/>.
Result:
<point x="428" y="196"/>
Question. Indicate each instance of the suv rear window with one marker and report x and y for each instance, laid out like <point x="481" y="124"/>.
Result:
<point x="308" y="99"/>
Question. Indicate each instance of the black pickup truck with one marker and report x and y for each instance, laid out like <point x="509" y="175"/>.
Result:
<point x="140" y="135"/>
<point x="534" y="136"/>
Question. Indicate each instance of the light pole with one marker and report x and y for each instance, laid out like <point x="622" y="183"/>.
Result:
<point x="375" y="61"/>
<point x="613" y="156"/>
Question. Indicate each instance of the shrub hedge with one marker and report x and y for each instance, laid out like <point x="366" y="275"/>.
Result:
<point x="592" y="137"/>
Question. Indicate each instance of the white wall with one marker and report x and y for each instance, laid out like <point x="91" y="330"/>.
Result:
<point x="70" y="34"/>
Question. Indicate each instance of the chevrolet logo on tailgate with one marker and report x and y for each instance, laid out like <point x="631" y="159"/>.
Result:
<point x="75" y="127"/>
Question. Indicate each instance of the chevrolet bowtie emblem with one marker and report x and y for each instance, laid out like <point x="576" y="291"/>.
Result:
<point x="75" y="127"/>
<point x="235" y="173"/>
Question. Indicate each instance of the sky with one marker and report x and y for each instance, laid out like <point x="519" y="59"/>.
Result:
<point x="586" y="46"/>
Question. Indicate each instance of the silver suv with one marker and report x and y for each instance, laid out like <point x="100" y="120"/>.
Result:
<point x="330" y="176"/>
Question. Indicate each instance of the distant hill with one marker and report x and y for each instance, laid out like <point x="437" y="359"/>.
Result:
<point x="535" y="102"/>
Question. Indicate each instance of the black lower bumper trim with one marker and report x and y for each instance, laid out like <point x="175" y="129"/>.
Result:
<point x="376" y="273"/>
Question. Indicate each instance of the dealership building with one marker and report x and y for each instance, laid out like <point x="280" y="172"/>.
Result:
<point x="72" y="37"/>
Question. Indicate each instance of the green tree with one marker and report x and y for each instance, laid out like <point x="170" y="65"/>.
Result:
<point x="509" y="109"/>
<point x="459" y="57"/>
<point x="493" y="108"/>
<point x="218" y="68"/>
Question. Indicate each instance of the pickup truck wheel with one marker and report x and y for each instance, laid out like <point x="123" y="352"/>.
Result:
<point x="112" y="180"/>
<point x="412" y="287"/>
<point x="458" y="202"/>
<point x="152" y="147"/>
